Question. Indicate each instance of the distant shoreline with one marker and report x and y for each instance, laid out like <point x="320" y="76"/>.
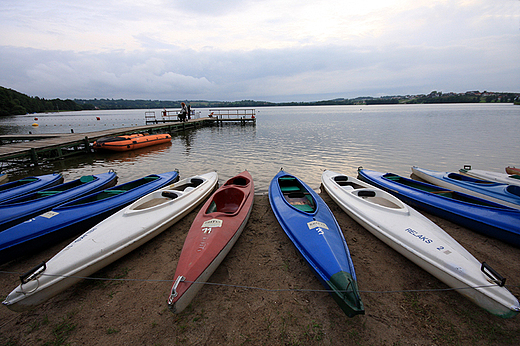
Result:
<point x="16" y="103"/>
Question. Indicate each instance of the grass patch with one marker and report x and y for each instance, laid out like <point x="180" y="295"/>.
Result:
<point x="62" y="331"/>
<point x="33" y="326"/>
<point x="314" y="331"/>
<point x="112" y="331"/>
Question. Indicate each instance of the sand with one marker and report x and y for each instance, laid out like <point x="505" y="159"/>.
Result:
<point x="135" y="312"/>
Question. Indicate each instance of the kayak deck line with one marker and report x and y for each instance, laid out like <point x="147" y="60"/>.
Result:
<point x="41" y="265"/>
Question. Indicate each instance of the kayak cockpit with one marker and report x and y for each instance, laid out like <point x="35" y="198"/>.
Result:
<point x="226" y="201"/>
<point x="376" y="197"/>
<point x="296" y="195"/>
<point x="513" y="189"/>
<point x="238" y="181"/>
<point x="344" y="182"/>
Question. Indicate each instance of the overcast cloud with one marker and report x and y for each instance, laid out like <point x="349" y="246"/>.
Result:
<point x="272" y="50"/>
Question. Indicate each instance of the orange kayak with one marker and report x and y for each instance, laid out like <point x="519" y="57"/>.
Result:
<point x="130" y="142"/>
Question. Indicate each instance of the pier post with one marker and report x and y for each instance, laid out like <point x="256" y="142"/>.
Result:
<point x="87" y="145"/>
<point x="34" y="156"/>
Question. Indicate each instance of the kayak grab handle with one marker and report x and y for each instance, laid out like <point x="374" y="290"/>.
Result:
<point x="33" y="273"/>
<point x="492" y="274"/>
<point x="173" y="292"/>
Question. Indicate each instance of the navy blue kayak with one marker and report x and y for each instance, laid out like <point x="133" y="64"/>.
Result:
<point x="27" y="185"/>
<point x="22" y="208"/>
<point x="486" y="217"/>
<point x="311" y="226"/>
<point x="76" y="216"/>
<point x="492" y="191"/>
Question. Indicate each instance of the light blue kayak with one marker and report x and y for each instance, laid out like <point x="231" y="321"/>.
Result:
<point x="504" y="194"/>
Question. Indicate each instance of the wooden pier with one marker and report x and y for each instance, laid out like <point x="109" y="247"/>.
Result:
<point x="219" y="116"/>
<point x="243" y="116"/>
<point x="35" y="149"/>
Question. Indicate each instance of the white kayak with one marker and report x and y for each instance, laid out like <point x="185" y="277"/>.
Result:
<point x="421" y="241"/>
<point x="512" y="179"/>
<point x="111" y="239"/>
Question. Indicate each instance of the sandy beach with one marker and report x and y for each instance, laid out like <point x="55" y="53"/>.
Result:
<point x="235" y="312"/>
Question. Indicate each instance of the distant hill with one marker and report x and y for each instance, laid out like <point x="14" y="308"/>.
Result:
<point x="15" y="103"/>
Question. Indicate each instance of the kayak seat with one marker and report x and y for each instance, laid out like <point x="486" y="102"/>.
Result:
<point x="115" y="192"/>
<point x="301" y="201"/>
<point x="27" y="180"/>
<point x="289" y="188"/>
<point x="169" y="194"/>
<point x="392" y="177"/>
<point x="47" y="193"/>
<point x="445" y="193"/>
<point x="87" y="178"/>
<point x="288" y="184"/>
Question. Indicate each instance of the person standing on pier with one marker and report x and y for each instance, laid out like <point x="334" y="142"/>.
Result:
<point x="189" y="112"/>
<point x="182" y="114"/>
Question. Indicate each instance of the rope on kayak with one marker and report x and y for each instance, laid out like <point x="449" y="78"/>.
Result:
<point x="263" y="288"/>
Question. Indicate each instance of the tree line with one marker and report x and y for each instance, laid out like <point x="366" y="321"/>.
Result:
<point x="15" y="103"/>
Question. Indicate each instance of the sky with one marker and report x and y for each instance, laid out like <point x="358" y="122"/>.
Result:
<point x="263" y="50"/>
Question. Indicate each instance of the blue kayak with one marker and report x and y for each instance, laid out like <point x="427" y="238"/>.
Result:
<point x="27" y="185"/>
<point x="76" y="216"/>
<point x="311" y="226"/>
<point x="22" y="208"/>
<point x="486" y="217"/>
<point x="492" y="191"/>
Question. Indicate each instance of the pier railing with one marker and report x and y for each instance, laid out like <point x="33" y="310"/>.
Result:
<point x="232" y="113"/>
<point x="166" y="116"/>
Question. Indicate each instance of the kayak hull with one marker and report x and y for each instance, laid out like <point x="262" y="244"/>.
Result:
<point x="27" y="185"/>
<point x="492" y="219"/>
<point x="110" y="240"/>
<point x="312" y="228"/>
<point x="508" y="195"/>
<point x="420" y="240"/>
<point x="17" y="210"/>
<point x="77" y="216"/>
<point x="213" y="233"/>
<point x="512" y="178"/>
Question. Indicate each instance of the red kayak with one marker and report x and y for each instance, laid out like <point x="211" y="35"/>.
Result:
<point x="512" y="170"/>
<point x="213" y="233"/>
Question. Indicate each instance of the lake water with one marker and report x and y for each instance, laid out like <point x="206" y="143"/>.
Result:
<point x="303" y="140"/>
